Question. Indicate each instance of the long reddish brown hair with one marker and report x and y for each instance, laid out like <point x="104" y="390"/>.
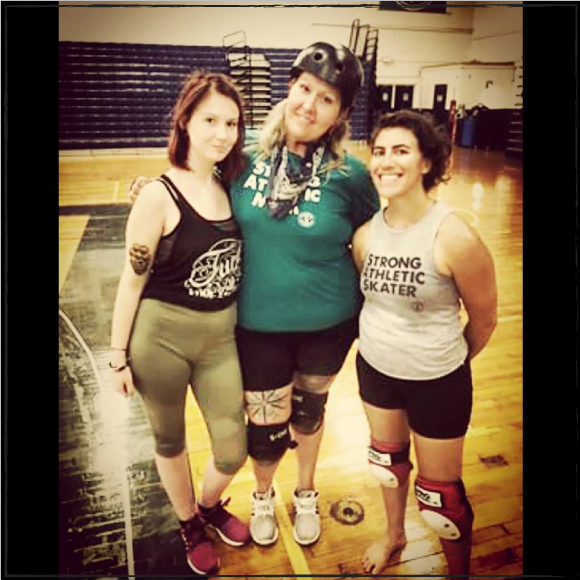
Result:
<point x="196" y="87"/>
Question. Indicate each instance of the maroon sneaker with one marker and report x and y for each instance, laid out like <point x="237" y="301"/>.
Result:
<point x="229" y="528"/>
<point x="200" y="555"/>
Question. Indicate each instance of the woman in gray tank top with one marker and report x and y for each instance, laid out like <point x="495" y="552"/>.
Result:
<point x="419" y="263"/>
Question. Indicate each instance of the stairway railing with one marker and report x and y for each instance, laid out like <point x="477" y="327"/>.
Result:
<point x="239" y="58"/>
<point x="354" y="34"/>
<point x="363" y="42"/>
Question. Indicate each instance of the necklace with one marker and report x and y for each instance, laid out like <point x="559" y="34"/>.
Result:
<point x="286" y="185"/>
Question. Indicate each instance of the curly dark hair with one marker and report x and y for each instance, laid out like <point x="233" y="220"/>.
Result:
<point x="434" y="143"/>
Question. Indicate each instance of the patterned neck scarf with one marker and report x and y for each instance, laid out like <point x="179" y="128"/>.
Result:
<point x="287" y="185"/>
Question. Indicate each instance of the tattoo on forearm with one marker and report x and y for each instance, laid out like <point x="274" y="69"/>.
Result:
<point x="266" y="404"/>
<point x="140" y="257"/>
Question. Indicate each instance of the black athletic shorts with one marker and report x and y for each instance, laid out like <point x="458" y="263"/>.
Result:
<point x="436" y="408"/>
<point x="270" y="359"/>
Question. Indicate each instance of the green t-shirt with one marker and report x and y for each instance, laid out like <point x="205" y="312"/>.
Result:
<point x="298" y="273"/>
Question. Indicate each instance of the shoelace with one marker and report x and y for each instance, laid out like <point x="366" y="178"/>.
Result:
<point x="219" y="515"/>
<point x="263" y="506"/>
<point x="193" y="534"/>
<point x="306" y="505"/>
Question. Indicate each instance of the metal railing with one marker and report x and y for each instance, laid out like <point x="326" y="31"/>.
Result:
<point x="239" y="58"/>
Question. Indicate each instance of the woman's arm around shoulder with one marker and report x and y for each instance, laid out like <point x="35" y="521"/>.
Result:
<point x="143" y="231"/>
<point x="460" y="253"/>
<point x="359" y="245"/>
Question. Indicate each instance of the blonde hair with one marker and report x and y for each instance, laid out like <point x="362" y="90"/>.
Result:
<point x="273" y="134"/>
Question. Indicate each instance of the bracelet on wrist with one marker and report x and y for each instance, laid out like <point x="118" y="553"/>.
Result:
<point x="120" y="368"/>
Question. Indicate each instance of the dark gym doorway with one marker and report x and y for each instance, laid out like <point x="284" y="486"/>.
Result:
<point x="440" y="97"/>
<point x="385" y="94"/>
<point x="403" y="97"/>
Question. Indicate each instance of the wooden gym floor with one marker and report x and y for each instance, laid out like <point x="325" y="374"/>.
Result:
<point x="114" y="516"/>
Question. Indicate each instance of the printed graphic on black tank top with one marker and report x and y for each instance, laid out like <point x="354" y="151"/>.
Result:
<point x="199" y="264"/>
<point x="216" y="273"/>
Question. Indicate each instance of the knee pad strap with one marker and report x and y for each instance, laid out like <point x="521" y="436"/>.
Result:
<point x="389" y="463"/>
<point x="444" y="507"/>
<point x="307" y="410"/>
<point x="169" y="446"/>
<point x="268" y="443"/>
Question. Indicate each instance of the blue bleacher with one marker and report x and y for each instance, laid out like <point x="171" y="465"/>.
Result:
<point x="115" y="95"/>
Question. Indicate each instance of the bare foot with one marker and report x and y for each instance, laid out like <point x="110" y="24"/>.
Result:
<point x="380" y="552"/>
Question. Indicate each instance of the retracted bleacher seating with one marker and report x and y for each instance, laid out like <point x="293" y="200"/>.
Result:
<point x="114" y="95"/>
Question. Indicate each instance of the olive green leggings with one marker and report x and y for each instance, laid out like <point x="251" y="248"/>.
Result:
<point x="171" y="347"/>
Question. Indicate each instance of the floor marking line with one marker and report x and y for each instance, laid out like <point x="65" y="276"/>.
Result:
<point x="68" y="244"/>
<point x="78" y="389"/>
<point x="126" y="494"/>
<point x="294" y="551"/>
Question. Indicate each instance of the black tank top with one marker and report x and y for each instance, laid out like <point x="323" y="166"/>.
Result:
<point x="198" y="264"/>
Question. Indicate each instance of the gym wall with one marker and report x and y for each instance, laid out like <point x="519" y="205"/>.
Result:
<point x="408" y="42"/>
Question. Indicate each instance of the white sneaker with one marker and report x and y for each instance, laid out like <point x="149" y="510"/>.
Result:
<point x="307" y="518"/>
<point x="263" y="525"/>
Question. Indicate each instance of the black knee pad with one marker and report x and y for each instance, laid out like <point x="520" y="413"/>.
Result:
<point x="168" y="446"/>
<point x="268" y="443"/>
<point x="307" y="411"/>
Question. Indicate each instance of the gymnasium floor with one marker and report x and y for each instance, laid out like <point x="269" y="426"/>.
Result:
<point x="114" y="516"/>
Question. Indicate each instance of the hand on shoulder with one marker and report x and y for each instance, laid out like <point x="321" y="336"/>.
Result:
<point x="152" y="189"/>
<point x="153" y="196"/>
<point x="137" y="185"/>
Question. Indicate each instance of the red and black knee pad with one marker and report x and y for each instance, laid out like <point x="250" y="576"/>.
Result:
<point x="389" y="463"/>
<point x="445" y="508"/>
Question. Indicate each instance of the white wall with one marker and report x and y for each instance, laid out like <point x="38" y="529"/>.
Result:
<point x="407" y="41"/>
<point x="503" y="48"/>
<point x="192" y="25"/>
<point x="403" y="54"/>
<point x="497" y="38"/>
<point x="499" y="26"/>
<point x="448" y="75"/>
<point x="497" y="34"/>
<point x="489" y="86"/>
<point x="274" y="26"/>
<point x="470" y="85"/>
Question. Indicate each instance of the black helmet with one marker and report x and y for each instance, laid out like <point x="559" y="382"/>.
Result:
<point x="334" y="64"/>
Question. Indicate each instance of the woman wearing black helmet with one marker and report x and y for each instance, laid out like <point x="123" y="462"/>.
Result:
<point x="298" y="204"/>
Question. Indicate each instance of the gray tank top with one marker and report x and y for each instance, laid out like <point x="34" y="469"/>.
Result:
<point x="409" y="324"/>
